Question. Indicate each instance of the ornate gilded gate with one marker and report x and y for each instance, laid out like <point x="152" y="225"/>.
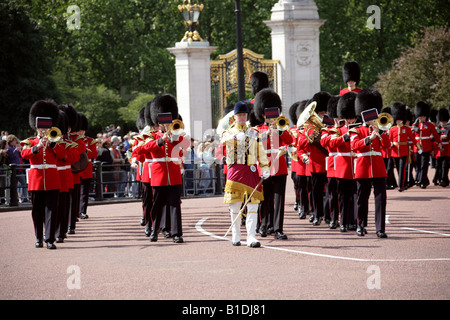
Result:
<point x="224" y="78"/>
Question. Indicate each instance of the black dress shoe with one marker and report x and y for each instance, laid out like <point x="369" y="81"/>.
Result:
<point x="317" y="221"/>
<point x="255" y="244"/>
<point x="280" y="235"/>
<point x="59" y="240"/>
<point x="423" y="186"/>
<point x="178" y="239"/>
<point x="237" y="244"/>
<point x="381" y="234"/>
<point x="301" y="213"/>
<point x="84" y="216"/>
<point x="51" y="245"/>
<point x="360" y="231"/>
<point x="167" y="234"/>
<point x="311" y="218"/>
<point x="154" y="236"/>
<point x="401" y="189"/>
<point x="71" y="231"/>
<point x="142" y="223"/>
<point x="333" y="224"/>
<point x="263" y="232"/>
<point x="343" y="228"/>
<point x="39" y="244"/>
<point x="295" y="206"/>
<point x="270" y="230"/>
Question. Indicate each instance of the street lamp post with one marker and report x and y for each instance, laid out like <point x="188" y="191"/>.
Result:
<point x="191" y="9"/>
<point x="240" y="55"/>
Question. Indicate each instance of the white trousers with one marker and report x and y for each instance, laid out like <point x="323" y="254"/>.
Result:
<point x="250" y="222"/>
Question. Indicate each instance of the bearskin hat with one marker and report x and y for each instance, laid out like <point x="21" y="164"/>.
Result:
<point x="398" y="111"/>
<point x="332" y="106"/>
<point x="259" y="80"/>
<point x="84" y="123"/>
<point x="43" y="108"/>
<point x="443" y="114"/>
<point x="266" y="98"/>
<point x="422" y="109"/>
<point x="63" y="122"/>
<point x="71" y="114"/>
<point x="140" y="121"/>
<point x="293" y="112"/>
<point x="433" y="115"/>
<point x="368" y="99"/>
<point x="321" y="98"/>
<point x="301" y="107"/>
<point x="351" y="71"/>
<point x="147" y="115"/>
<point x="409" y="115"/>
<point x="346" y="106"/>
<point x="161" y="104"/>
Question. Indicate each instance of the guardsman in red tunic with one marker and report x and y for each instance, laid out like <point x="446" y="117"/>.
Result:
<point x="317" y="160"/>
<point x="426" y="134"/>
<point x="267" y="106"/>
<point x="65" y="178"/>
<point x="292" y="151"/>
<point x="369" y="168"/>
<point x="166" y="179"/>
<point x="87" y="174"/>
<point x="443" y="154"/>
<point x="331" y="122"/>
<point x="43" y="177"/>
<point x="400" y="137"/>
<point x="344" y="158"/>
<point x="352" y="75"/>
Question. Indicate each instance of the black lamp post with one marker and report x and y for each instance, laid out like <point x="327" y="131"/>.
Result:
<point x="240" y="54"/>
<point x="191" y="9"/>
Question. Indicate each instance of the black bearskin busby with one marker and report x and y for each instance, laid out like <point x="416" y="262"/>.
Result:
<point x="84" y="124"/>
<point x="72" y="115"/>
<point x="367" y="99"/>
<point x="259" y="80"/>
<point x="293" y="112"/>
<point x="433" y="115"/>
<point x="301" y="107"/>
<point x="161" y="104"/>
<point x="332" y="106"/>
<point x="398" y="111"/>
<point x="147" y="115"/>
<point x="443" y="114"/>
<point x="43" y="108"/>
<point x="266" y="98"/>
<point x="346" y="106"/>
<point x="422" y="109"/>
<point x="351" y="71"/>
<point x="63" y="123"/>
<point x="140" y="121"/>
<point x="321" y="98"/>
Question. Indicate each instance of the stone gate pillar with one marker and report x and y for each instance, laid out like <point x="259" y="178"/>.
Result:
<point x="295" y="42"/>
<point x="193" y="82"/>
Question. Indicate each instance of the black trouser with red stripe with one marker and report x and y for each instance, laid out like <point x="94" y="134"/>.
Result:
<point x="43" y="212"/>
<point x="318" y="181"/>
<point x="346" y="189"/>
<point x="274" y="189"/>
<point x="167" y="202"/>
<point x="147" y="202"/>
<point x="379" y="190"/>
<point x="400" y="164"/>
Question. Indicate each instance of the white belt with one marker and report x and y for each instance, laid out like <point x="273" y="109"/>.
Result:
<point x="166" y="159"/>
<point x="64" y="167"/>
<point x="445" y="142"/>
<point x="43" y="166"/>
<point x="149" y="160"/>
<point x="422" y="138"/>
<point x="343" y="154"/>
<point x="370" y="153"/>
<point x="272" y="150"/>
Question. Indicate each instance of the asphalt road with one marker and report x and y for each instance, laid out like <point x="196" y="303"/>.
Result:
<point x="110" y="258"/>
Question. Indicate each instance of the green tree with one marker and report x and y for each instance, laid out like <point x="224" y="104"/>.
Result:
<point x="24" y="69"/>
<point x="422" y="72"/>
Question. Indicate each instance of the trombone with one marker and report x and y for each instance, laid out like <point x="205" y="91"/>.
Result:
<point x="176" y="128"/>
<point x="282" y="123"/>
<point x="384" y="121"/>
<point x="53" y="134"/>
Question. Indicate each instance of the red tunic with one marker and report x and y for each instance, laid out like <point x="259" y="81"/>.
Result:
<point x="401" y="137"/>
<point x="43" y="173"/>
<point x="80" y="148"/>
<point x="91" y="148"/>
<point x="426" y="135"/>
<point x="343" y="156"/>
<point x="303" y="149"/>
<point x="271" y="146"/>
<point x="166" y="160"/>
<point x="344" y="91"/>
<point x="64" y="166"/>
<point x="325" y="139"/>
<point x="369" y="161"/>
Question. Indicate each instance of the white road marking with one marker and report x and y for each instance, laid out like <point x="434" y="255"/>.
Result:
<point x="442" y="234"/>
<point x="199" y="228"/>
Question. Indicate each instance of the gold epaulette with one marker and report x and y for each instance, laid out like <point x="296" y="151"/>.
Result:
<point x="353" y="130"/>
<point x="26" y="143"/>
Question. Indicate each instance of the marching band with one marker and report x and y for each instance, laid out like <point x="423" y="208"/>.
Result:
<point x="337" y="146"/>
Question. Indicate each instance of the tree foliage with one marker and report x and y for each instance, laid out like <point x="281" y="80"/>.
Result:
<point x="422" y="72"/>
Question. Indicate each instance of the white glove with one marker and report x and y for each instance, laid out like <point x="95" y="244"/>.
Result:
<point x="240" y="136"/>
<point x="266" y="174"/>
<point x="419" y="151"/>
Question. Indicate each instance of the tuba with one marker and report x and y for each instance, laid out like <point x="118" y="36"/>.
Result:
<point x="225" y="123"/>
<point x="54" y="134"/>
<point x="282" y="123"/>
<point x="384" y="121"/>
<point x="309" y="116"/>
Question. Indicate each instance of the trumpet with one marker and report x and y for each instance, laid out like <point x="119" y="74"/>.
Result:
<point x="384" y="121"/>
<point x="282" y="123"/>
<point x="177" y="129"/>
<point x="54" y="134"/>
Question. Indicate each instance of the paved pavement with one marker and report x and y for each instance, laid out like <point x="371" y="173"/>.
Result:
<point x="110" y="258"/>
